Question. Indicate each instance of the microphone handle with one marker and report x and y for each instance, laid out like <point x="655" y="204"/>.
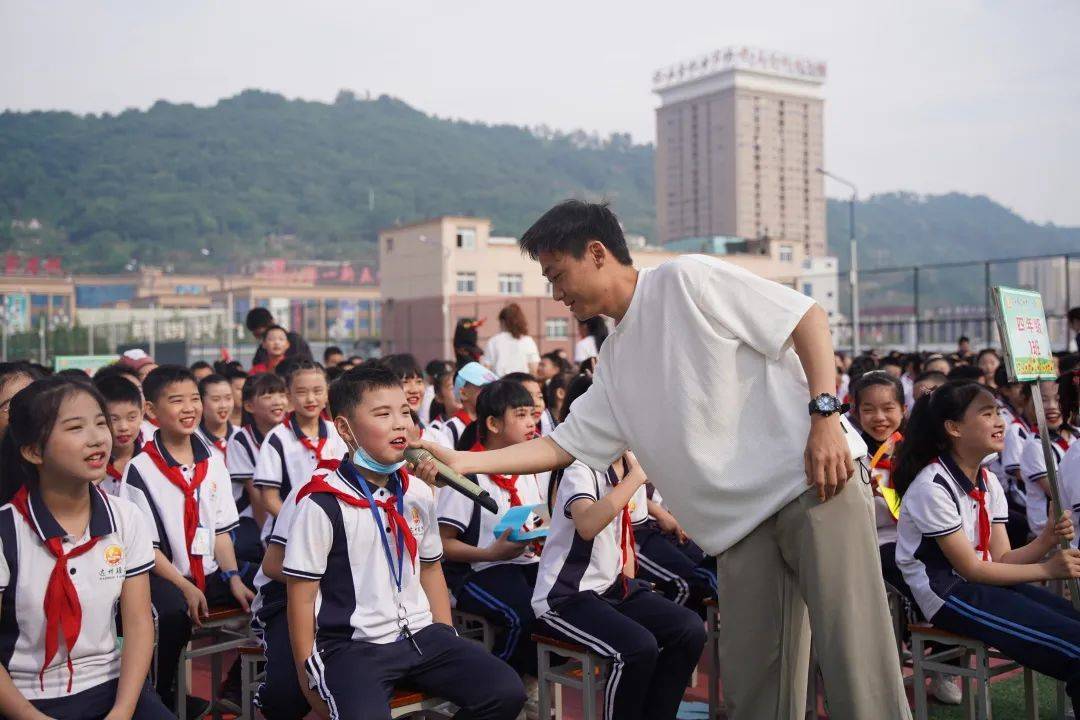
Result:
<point x="459" y="482"/>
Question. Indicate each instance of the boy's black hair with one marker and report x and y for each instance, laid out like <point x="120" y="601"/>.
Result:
<point x="287" y="368"/>
<point x="206" y="382"/>
<point x="331" y="350"/>
<point x="161" y="377"/>
<point x="931" y="375"/>
<point x="230" y="372"/>
<point x="75" y="374"/>
<point x="860" y="366"/>
<point x="348" y="390"/>
<point x="200" y="365"/>
<point x="892" y="360"/>
<point x="876" y="377"/>
<point x="334" y="372"/>
<point x="33" y="412"/>
<point x="963" y="339"/>
<point x="117" y="389"/>
<point x="570" y="225"/>
<point x="258" y="318"/>
<point x="965" y="372"/>
<point x="403" y="365"/>
<point x="521" y="377"/>
<point x="1001" y="377"/>
<point x="495" y="399"/>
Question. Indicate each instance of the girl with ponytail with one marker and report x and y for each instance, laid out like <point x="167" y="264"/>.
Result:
<point x="954" y="552"/>
<point x="70" y="555"/>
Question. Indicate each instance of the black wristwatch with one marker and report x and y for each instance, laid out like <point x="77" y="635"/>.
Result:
<point x="825" y="405"/>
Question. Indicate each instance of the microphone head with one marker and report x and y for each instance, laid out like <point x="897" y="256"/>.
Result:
<point x="416" y="455"/>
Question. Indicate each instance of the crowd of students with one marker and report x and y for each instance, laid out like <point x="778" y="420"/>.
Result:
<point x="140" y="498"/>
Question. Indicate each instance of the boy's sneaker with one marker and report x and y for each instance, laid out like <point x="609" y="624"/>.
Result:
<point x="944" y="689"/>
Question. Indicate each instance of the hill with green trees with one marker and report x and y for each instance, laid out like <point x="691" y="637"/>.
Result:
<point x="257" y="175"/>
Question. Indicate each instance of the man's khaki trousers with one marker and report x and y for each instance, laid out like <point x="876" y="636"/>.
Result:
<point x="812" y="565"/>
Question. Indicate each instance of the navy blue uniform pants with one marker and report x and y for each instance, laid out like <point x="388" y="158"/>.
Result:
<point x="95" y="704"/>
<point x="680" y="572"/>
<point x="653" y="644"/>
<point x="1034" y="627"/>
<point x="357" y="679"/>
<point x="503" y="594"/>
<point x="279" y="696"/>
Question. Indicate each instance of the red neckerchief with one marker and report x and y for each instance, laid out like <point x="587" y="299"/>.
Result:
<point x="294" y="424"/>
<point x="221" y="443"/>
<point x="507" y="484"/>
<point x="628" y="552"/>
<point x="463" y="415"/>
<point x="63" y="612"/>
<point x="979" y="496"/>
<point x="112" y="472"/>
<point x="388" y="506"/>
<point x="191" y="504"/>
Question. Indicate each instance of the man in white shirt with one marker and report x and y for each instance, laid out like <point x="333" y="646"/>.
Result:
<point x="707" y="376"/>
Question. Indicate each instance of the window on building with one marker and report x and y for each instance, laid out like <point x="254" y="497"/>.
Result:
<point x="556" y="328"/>
<point x="466" y="283"/>
<point x="808" y="289"/>
<point x="786" y="253"/>
<point x="466" y="238"/>
<point x="510" y="284"/>
<point x="389" y="245"/>
<point x="548" y="288"/>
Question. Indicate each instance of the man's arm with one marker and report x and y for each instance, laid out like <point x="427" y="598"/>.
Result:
<point x="827" y="458"/>
<point x="535" y="456"/>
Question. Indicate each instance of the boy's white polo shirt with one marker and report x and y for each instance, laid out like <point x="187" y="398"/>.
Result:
<point x="938" y="504"/>
<point x="242" y="455"/>
<point x="340" y="546"/>
<point x="1033" y="469"/>
<point x="571" y="564"/>
<point x="284" y="460"/>
<point x="123" y="550"/>
<point x="476" y="526"/>
<point x="165" y="501"/>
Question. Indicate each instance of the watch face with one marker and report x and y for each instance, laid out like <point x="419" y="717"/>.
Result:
<point x="826" y="403"/>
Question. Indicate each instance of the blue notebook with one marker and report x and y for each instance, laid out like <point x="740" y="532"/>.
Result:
<point x="516" y="518"/>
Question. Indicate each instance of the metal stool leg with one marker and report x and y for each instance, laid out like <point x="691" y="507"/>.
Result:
<point x="982" y="683"/>
<point x="1031" y="695"/>
<point x="588" y="688"/>
<point x="544" y="683"/>
<point x="919" y="683"/>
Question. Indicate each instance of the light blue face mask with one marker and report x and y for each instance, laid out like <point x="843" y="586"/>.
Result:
<point x="361" y="458"/>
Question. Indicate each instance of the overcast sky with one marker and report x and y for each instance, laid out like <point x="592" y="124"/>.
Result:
<point x="976" y="97"/>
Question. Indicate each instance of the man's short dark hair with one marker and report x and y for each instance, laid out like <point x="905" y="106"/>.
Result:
<point x="348" y="390"/>
<point x="162" y="377"/>
<point x="570" y="225"/>
<point x="963" y="339"/>
<point x="258" y="318"/>
<point x="118" y="389"/>
<point x="331" y="350"/>
<point x="201" y="365"/>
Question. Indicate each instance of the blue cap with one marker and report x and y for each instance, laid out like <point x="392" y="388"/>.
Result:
<point x="473" y="374"/>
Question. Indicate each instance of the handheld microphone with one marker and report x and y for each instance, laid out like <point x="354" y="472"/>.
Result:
<point x="454" y="479"/>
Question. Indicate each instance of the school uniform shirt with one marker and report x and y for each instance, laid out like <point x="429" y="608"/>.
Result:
<point x="476" y="526"/>
<point x="570" y="564"/>
<point x="1017" y="434"/>
<point x="219" y="445"/>
<point x="882" y="477"/>
<point x="285" y="458"/>
<point x="449" y="429"/>
<point x="696" y="376"/>
<point x="147" y="429"/>
<point x="164" y="502"/>
<point x="241" y="456"/>
<point x="339" y="545"/>
<point x="938" y="504"/>
<point x="1033" y="469"/>
<point x="425" y="404"/>
<point x="1069" y="477"/>
<point x="123" y="550"/>
<point x="547" y="423"/>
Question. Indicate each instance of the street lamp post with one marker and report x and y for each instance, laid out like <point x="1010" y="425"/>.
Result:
<point x="853" y="271"/>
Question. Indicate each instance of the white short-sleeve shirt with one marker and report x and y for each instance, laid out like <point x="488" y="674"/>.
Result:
<point x="165" y="501"/>
<point x="284" y="459"/>
<point x="123" y="550"/>
<point x="570" y="564"/>
<point x="1069" y="477"/>
<point x="937" y="504"/>
<point x="240" y="459"/>
<point x="1032" y="470"/>
<point x="476" y="526"/>
<point x="339" y="545"/>
<point x="696" y="373"/>
<point x="506" y="354"/>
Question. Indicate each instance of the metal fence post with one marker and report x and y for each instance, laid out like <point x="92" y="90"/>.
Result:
<point x="987" y="302"/>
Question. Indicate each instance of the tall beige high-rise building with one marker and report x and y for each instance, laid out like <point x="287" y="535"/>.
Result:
<point x="738" y="140"/>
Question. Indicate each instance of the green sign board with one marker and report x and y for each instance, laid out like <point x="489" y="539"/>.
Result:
<point x="1021" y="321"/>
<point x="89" y="363"/>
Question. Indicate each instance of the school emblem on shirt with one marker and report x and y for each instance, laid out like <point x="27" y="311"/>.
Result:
<point x="113" y="555"/>
<point x="416" y="525"/>
<point x="632" y="506"/>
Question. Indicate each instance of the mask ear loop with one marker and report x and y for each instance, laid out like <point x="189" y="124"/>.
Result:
<point x="352" y="434"/>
